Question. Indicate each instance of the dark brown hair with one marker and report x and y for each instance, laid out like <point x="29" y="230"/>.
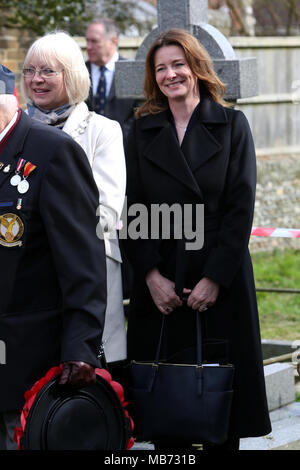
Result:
<point x="199" y="62"/>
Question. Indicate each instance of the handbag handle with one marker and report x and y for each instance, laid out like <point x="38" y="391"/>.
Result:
<point x="198" y="337"/>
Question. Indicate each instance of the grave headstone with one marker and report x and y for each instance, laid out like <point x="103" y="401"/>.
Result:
<point x="240" y="74"/>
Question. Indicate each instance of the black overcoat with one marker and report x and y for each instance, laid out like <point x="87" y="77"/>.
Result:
<point x="53" y="275"/>
<point x="214" y="166"/>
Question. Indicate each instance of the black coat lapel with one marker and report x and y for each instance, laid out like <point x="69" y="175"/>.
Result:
<point x="164" y="151"/>
<point x="112" y="91"/>
<point x="199" y="145"/>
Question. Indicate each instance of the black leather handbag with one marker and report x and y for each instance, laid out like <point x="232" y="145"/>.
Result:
<point x="181" y="402"/>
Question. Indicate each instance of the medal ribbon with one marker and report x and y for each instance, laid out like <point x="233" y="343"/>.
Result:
<point x="29" y="167"/>
<point x="20" y="164"/>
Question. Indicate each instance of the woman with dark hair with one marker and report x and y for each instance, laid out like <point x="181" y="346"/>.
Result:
<point x="188" y="147"/>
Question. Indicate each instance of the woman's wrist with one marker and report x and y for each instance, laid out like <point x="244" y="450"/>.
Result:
<point x="151" y="275"/>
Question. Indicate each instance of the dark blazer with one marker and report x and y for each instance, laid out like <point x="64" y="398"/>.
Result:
<point x="119" y="109"/>
<point x="53" y="280"/>
<point x="214" y="166"/>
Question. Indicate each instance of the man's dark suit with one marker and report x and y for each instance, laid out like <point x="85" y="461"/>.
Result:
<point x="53" y="276"/>
<point x="119" y="109"/>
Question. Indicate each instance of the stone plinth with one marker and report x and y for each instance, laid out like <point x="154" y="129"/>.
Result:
<point x="280" y="384"/>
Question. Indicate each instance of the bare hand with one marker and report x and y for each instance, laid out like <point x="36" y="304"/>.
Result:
<point x="203" y="295"/>
<point x="163" y="292"/>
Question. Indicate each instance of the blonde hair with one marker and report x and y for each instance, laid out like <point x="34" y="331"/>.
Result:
<point x="199" y="62"/>
<point x="61" y="47"/>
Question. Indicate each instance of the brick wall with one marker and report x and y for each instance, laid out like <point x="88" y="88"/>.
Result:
<point x="14" y="44"/>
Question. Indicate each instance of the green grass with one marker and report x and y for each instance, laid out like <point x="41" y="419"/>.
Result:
<point x="279" y="313"/>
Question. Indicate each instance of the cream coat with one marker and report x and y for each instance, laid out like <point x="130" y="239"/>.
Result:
<point x="102" y="140"/>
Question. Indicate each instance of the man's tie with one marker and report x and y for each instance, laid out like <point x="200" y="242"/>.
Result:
<point x="100" y="98"/>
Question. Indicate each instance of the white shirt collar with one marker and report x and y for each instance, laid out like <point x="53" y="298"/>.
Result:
<point x="110" y="65"/>
<point x="9" y="126"/>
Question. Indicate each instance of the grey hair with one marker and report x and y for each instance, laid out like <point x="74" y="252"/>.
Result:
<point x="110" y="27"/>
<point x="61" y="47"/>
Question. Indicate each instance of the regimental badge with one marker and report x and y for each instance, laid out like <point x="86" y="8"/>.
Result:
<point x="11" y="230"/>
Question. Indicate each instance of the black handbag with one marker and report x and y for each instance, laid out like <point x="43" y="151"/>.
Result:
<point x="181" y="402"/>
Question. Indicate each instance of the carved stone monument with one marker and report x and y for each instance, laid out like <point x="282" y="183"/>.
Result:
<point x="240" y="74"/>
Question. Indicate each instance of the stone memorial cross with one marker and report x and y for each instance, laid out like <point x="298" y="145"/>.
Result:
<point x="240" y="74"/>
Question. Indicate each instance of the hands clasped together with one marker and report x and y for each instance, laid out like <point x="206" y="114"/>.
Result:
<point x="162" y="290"/>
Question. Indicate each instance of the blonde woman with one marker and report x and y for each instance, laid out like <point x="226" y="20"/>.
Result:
<point x="55" y="84"/>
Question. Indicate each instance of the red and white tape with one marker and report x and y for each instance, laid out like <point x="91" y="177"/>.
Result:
<point x="275" y="232"/>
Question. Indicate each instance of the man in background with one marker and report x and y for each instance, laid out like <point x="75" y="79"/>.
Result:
<point x="102" y="49"/>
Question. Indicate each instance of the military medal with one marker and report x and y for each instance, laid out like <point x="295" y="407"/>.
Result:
<point x="19" y="204"/>
<point x="23" y="185"/>
<point x="16" y="179"/>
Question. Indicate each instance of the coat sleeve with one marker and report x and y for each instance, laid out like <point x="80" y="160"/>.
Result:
<point x="143" y="254"/>
<point x="109" y="171"/>
<point x="237" y="206"/>
<point x="68" y="203"/>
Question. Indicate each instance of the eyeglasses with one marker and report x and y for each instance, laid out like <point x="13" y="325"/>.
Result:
<point x="44" y="73"/>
